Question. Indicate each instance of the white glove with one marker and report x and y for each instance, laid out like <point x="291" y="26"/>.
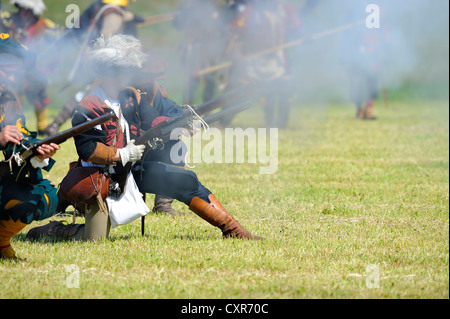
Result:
<point x="131" y="152"/>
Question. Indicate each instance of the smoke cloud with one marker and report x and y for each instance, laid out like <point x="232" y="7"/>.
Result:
<point x="416" y="51"/>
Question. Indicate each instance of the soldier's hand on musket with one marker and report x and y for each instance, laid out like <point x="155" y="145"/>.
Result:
<point x="10" y="133"/>
<point x="130" y="153"/>
<point x="47" y="150"/>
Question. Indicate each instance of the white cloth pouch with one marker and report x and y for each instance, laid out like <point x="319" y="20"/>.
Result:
<point x="129" y="206"/>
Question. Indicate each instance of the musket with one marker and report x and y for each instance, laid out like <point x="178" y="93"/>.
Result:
<point x="157" y="19"/>
<point x="216" y="117"/>
<point x="157" y="137"/>
<point x="30" y="149"/>
<point x="170" y="128"/>
<point x="161" y="132"/>
<point x="85" y="44"/>
<point x="284" y="46"/>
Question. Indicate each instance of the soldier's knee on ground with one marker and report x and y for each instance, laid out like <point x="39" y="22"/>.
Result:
<point x="97" y="224"/>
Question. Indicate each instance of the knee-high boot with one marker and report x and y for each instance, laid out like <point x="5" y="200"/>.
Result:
<point x="9" y="229"/>
<point x="368" y="115"/>
<point x="215" y="214"/>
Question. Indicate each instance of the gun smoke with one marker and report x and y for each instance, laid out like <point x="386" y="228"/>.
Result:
<point x="415" y="53"/>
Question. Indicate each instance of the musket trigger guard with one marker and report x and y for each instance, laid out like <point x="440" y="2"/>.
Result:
<point x="25" y="147"/>
<point x="154" y="143"/>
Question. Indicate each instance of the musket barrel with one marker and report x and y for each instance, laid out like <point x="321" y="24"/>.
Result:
<point x="227" y="64"/>
<point x="161" y="130"/>
<point x="226" y="98"/>
<point x="61" y="137"/>
<point x="232" y="110"/>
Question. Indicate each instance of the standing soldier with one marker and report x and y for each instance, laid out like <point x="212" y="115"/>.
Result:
<point x="261" y="25"/>
<point x="25" y="195"/>
<point x="363" y="53"/>
<point x="203" y="25"/>
<point x="105" y="17"/>
<point x="28" y="26"/>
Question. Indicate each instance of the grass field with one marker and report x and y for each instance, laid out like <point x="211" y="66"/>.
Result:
<point x="347" y="196"/>
<point x="353" y="206"/>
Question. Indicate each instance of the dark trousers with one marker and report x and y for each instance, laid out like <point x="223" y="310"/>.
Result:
<point x="278" y="95"/>
<point x="364" y="86"/>
<point x="159" y="174"/>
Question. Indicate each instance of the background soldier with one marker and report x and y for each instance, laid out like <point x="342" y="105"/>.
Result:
<point x="105" y="17"/>
<point x="261" y="25"/>
<point x="28" y="26"/>
<point x="363" y="53"/>
<point x="204" y="27"/>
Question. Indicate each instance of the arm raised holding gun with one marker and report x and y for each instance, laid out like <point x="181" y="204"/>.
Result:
<point x="33" y="148"/>
<point x="230" y="103"/>
<point x="28" y="149"/>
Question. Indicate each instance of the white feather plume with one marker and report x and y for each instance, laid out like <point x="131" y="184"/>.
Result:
<point x="118" y="51"/>
<point x="37" y="6"/>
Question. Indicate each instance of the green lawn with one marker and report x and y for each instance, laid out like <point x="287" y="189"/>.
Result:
<point x="349" y="199"/>
<point x="348" y="195"/>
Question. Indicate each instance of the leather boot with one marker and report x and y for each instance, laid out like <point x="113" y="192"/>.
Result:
<point x="215" y="214"/>
<point x="54" y="229"/>
<point x="8" y="229"/>
<point x="368" y="115"/>
<point x="360" y="113"/>
<point x="163" y="205"/>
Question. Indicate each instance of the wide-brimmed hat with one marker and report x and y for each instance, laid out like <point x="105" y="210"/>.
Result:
<point x="116" y="54"/>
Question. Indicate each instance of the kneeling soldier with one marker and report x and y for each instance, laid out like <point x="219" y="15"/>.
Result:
<point x="25" y="195"/>
<point x="111" y="147"/>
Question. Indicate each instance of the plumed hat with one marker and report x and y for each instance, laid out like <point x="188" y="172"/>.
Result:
<point x="37" y="6"/>
<point x="117" y="53"/>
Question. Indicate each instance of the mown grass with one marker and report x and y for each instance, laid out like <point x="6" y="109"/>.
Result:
<point x="347" y="195"/>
